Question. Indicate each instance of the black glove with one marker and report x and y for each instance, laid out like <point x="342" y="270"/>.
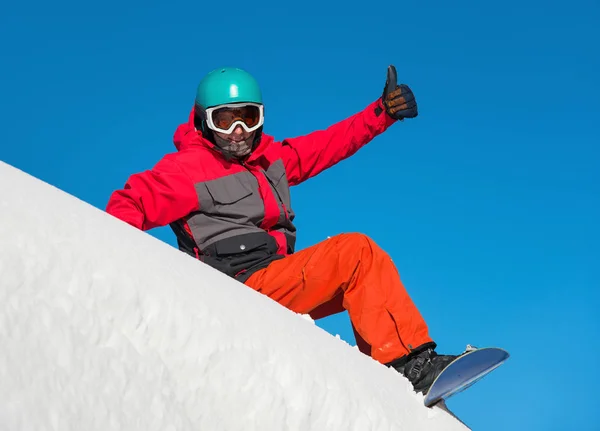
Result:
<point x="398" y="100"/>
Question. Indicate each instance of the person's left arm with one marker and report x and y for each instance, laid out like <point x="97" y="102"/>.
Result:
<point x="306" y="156"/>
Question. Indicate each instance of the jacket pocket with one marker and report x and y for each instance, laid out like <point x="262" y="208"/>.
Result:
<point x="276" y="176"/>
<point x="241" y="253"/>
<point x="242" y="244"/>
<point x="275" y="173"/>
<point x="228" y="190"/>
<point x="278" y="180"/>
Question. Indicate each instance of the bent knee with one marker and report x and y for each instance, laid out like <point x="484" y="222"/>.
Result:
<point x="358" y="240"/>
<point x="359" y="246"/>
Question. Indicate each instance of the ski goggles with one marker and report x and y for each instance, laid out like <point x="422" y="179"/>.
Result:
<point x="225" y="118"/>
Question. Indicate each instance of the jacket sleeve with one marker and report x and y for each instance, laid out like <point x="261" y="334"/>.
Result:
<point x="306" y="156"/>
<point x="154" y="198"/>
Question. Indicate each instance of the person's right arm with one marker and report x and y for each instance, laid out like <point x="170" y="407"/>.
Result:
<point x="154" y="198"/>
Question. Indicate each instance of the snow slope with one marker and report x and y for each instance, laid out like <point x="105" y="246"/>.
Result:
<point x="104" y="327"/>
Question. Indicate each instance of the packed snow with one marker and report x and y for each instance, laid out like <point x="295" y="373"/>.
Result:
<point x="104" y="327"/>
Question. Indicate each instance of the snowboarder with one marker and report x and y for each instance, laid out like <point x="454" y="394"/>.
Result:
<point x="225" y="194"/>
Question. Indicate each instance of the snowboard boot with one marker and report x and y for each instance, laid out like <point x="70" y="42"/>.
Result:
<point x="422" y="366"/>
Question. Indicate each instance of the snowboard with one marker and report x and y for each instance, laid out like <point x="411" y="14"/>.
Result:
<point x="466" y="370"/>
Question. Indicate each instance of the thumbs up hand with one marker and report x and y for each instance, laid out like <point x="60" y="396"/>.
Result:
<point x="398" y="100"/>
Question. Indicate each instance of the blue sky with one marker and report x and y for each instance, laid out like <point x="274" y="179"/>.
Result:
<point x="488" y="202"/>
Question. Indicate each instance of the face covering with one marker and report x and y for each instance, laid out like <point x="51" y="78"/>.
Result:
<point x="236" y="149"/>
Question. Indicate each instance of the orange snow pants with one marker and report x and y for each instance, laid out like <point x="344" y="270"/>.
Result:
<point x="349" y="272"/>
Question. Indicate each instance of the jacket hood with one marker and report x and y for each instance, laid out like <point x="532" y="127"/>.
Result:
<point x="186" y="135"/>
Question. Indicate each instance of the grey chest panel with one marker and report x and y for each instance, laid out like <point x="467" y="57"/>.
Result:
<point x="280" y="186"/>
<point x="232" y="205"/>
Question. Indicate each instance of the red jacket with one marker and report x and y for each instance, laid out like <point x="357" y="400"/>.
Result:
<point x="237" y="216"/>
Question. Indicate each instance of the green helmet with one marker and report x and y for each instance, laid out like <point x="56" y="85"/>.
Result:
<point x="227" y="85"/>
